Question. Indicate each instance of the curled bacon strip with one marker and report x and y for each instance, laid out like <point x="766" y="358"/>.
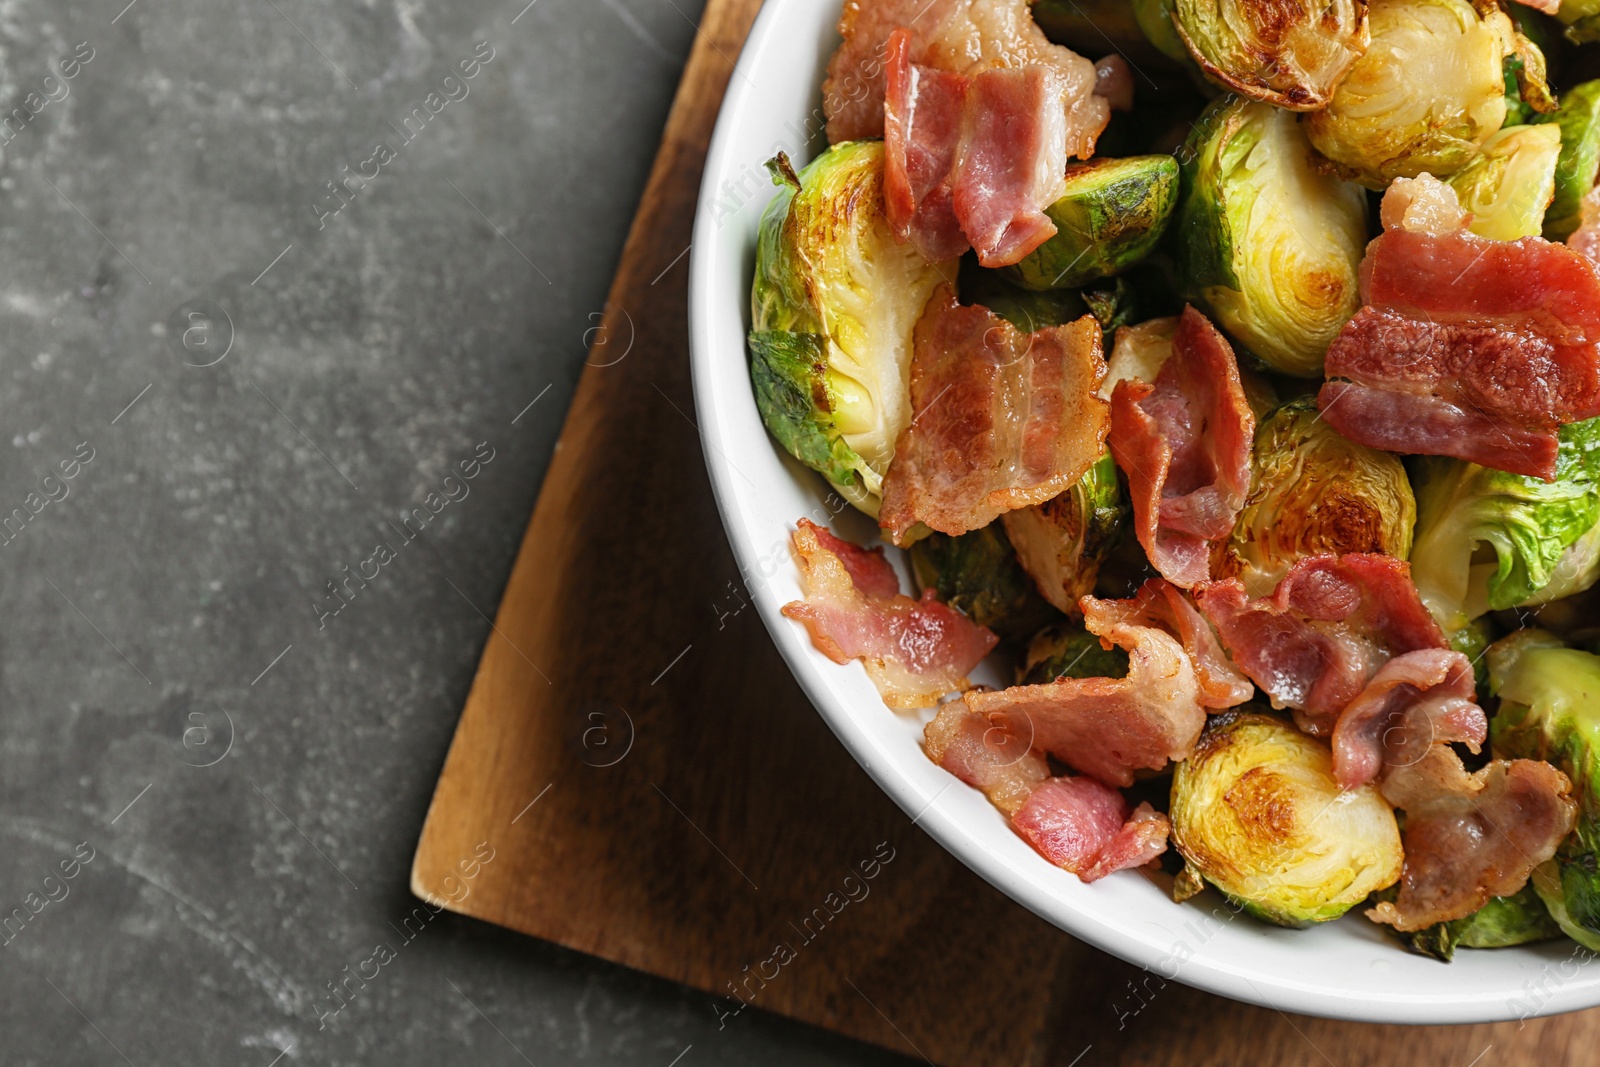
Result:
<point x="984" y="756"/>
<point x="1085" y="827"/>
<point x="915" y="651"/>
<point x="1184" y="444"/>
<point x="1469" y="837"/>
<point x="1415" y="701"/>
<point x="1162" y="605"/>
<point x="1332" y="622"/>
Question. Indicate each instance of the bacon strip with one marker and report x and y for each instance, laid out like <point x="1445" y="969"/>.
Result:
<point x="1162" y="605"/>
<point x="1331" y="623"/>
<point x="1415" y="701"/>
<point x="915" y="651"/>
<point x="984" y="756"/>
<point x="1469" y="837"/>
<point x="972" y="160"/>
<point x="1000" y="419"/>
<point x="1184" y="444"/>
<point x="1085" y="827"/>
<point x="1109" y="728"/>
<point x="957" y="37"/>
<point x="1468" y="347"/>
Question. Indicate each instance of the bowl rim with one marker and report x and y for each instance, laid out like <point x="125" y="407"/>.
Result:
<point x="1297" y="993"/>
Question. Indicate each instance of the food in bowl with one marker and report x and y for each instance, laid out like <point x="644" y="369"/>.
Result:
<point x="1295" y="572"/>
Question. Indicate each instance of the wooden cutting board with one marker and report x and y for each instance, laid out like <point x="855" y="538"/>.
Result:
<point x="654" y="789"/>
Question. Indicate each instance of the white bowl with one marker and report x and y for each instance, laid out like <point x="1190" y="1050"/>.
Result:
<point x="1347" y="969"/>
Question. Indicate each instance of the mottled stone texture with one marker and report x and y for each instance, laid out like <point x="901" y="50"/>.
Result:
<point x="236" y="436"/>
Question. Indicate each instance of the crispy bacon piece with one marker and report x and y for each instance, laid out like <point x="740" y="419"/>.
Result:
<point x="1184" y="444"/>
<point x="957" y="37"/>
<point x="1162" y="605"/>
<point x="1110" y="727"/>
<point x="1331" y="623"/>
<point x="1085" y="827"/>
<point x="984" y="756"/>
<point x="972" y="160"/>
<point x="1469" y="837"/>
<point x="1000" y="419"/>
<point x="1415" y="701"/>
<point x="915" y="651"/>
<point x="1468" y="347"/>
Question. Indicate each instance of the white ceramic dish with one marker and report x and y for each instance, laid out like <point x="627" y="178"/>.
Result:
<point x="1348" y="969"/>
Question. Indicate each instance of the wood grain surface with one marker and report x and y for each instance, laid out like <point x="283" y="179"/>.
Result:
<point x="657" y="791"/>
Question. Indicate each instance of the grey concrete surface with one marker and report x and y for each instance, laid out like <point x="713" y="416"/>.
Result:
<point x="219" y="383"/>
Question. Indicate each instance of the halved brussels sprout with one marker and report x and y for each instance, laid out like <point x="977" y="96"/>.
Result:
<point x="1579" y="164"/>
<point x="1425" y="96"/>
<point x="1109" y="218"/>
<point x="1582" y="19"/>
<point x="977" y="573"/>
<point x="832" y="311"/>
<point x="1291" y="55"/>
<point x="1270" y="243"/>
<point x="1313" y="491"/>
<point x="1503" y="922"/>
<point x="1509" y="186"/>
<point x="1488" y="540"/>
<point x="1067" y="650"/>
<point x="1550" y="710"/>
<point x="1062" y="542"/>
<point x="1257" y="813"/>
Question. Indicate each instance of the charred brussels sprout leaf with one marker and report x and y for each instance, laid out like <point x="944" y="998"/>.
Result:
<point x="1067" y="650"/>
<point x="1289" y="55"/>
<point x="977" y="573"/>
<point x="1257" y="813"/>
<point x="1270" y="243"/>
<point x="1501" y="923"/>
<point x="1550" y="710"/>
<point x="1509" y="186"/>
<point x="1112" y="214"/>
<point x="1313" y="491"/>
<point x="1063" y="541"/>
<point x="1579" y="163"/>
<point x="1539" y="537"/>
<point x="832" y="310"/>
<point x="1425" y="96"/>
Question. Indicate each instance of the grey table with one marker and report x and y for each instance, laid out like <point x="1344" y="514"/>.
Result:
<point x="272" y="269"/>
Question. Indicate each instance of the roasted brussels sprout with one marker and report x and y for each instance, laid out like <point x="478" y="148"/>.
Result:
<point x="1112" y="214"/>
<point x="1425" y="96"/>
<point x="1313" y="491"/>
<point x="1062" y="542"/>
<point x="1488" y="540"/>
<point x="833" y="307"/>
<point x="1579" y="163"/>
<point x="1257" y="813"/>
<point x="1067" y="650"/>
<point x="1289" y="55"/>
<point x="1582" y="19"/>
<point x="1503" y="922"/>
<point x="1550" y="710"/>
<point x="1268" y="242"/>
<point x="1509" y="186"/>
<point x="977" y="573"/>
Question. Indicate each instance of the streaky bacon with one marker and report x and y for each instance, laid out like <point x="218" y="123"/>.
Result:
<point x="1109" y="728"/>
<point x="1416" y="700"/>
<point x="984" y="756"/>
<point x="1469" y="837"/>
<point x="1160" y="604"/>
<point x="972" y="160"/>
<point x="1000" y="419"/>
<point x="1085" y="827"/>
<point x="915" y="651"/>
<point x="956" y="37"/>
<point x="1469" y="347"/>
<point x="1317" y="640"/>
<point x="1184" y="443"/>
